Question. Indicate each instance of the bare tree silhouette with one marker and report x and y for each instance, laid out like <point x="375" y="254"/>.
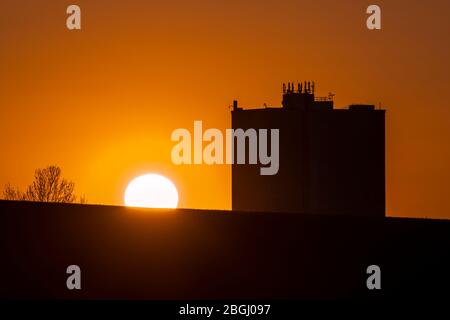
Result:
<point x="11" y="193"/>
<point x="48" y="186"/>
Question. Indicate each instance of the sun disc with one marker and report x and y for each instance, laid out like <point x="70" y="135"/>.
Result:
<point x="151" y="191"/>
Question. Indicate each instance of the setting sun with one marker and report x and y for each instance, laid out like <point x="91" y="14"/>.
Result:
<point x="151" y="191"/>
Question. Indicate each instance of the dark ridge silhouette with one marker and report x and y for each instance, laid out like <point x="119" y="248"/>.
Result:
<point x="332" y="161"/>
<point x="128" y="253"/>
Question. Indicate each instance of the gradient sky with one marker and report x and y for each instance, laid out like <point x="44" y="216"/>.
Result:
<point x="102" y="102"/>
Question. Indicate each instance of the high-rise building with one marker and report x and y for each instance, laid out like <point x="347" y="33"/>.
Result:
<point x="331" y="161"/>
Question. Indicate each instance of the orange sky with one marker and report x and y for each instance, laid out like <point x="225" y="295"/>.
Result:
<point x="102" y="102"/>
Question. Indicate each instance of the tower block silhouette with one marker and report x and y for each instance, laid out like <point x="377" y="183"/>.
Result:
<point x="331" y="161"/>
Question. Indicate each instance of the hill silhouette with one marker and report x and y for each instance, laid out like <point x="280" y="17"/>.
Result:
<point x="129" y="253"/>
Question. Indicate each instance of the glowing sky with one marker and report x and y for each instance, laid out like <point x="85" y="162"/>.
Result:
<point x="102" y="102"/>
